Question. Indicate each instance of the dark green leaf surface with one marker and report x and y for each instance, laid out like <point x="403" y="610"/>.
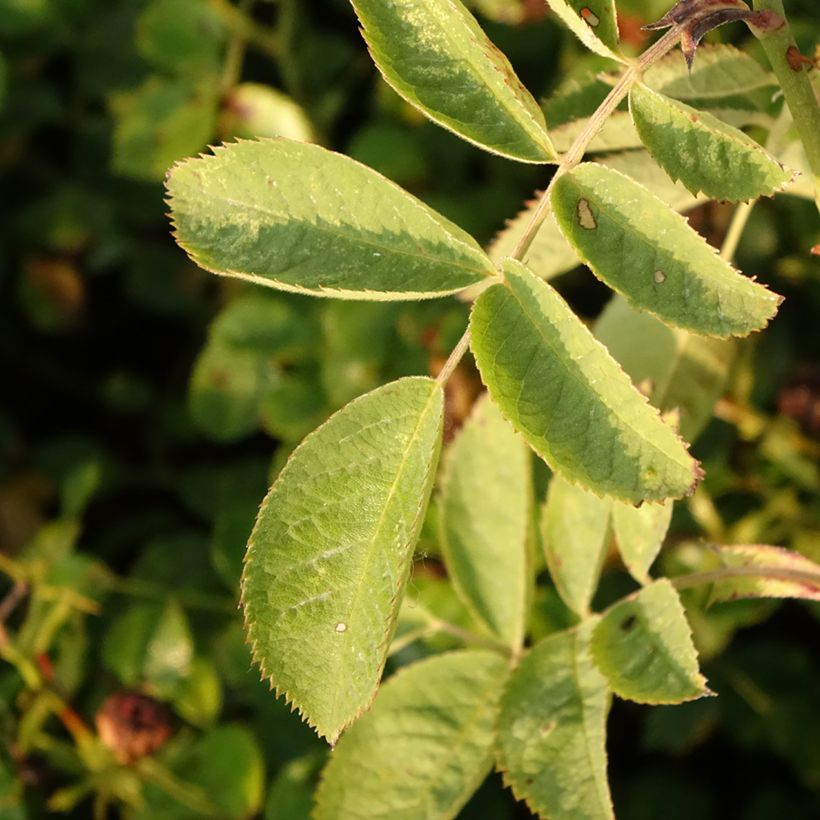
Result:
<point x="552" y="730"/>
<point x="332" y="547"/>
<point x="650" y="255"/>
<point x="435" y="55"/>
<point x="300" y="218"/>
<point x="567" y="396"/>
<point x="425" y="746"/>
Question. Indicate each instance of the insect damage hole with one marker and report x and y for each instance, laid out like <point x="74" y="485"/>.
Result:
<point x="659" y="276"/>
<point x="341" y="627"/>
<point x="586" y="219"/>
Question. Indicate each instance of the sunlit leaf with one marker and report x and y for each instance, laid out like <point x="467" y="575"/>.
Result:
<point x="254" y="110"/>
<point x="650" y="255"/>
<point x="643" y="645"/>
<point x="484" y="521"/>
<point x="639" y="532"/>
<point x="552" y="730"/>
<point x="684" y="372"/>
<point x="575" y="533"/>
<point x="332" y="548"/>
<point x="570" y="400"/>
<point x="298" y="217"/>
<point x="436" y="56"/>
<point x="703" y="152"/>
<point x="425" y="746"/>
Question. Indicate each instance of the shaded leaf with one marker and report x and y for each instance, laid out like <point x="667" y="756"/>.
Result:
<point x="575" y="533"/>
<point x="425" y="746"/>
<point x="570" y="400"/>
<point x="436" y="56"/>
<point x="254" y="110"/>
<point x="617" y="134"/>
<point x="331" y="550"/>
<point x="643" y="645"/>
<point x="685" y="372"/>
<point x="650" y="255"/>
<point x="593" y="22"/>
<point x="484" y="521"/>
<point x="702" y="152"/>
<point x="773" y="573"/>
<point x="298" y="217"/>
<point x="640" y="532"/>
<point x="552" y="730"/>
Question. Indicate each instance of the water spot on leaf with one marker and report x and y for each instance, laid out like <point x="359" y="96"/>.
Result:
<point x="586" y="218"/>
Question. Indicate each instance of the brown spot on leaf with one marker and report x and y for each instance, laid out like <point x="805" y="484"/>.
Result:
<point x="586" y="218"/>
<point x="132" y="725"/>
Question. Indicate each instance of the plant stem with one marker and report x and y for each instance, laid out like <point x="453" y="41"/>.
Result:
<point x="470" y="637"/>
<point x="578" y="148"/>
<point x="239" y="23"/>
<point x="739" y="219"/>
<point x="766" y="573"/>
<point x="793" y="76"/>
<point x="235" y="53"/>
<point x="454" y="358"/>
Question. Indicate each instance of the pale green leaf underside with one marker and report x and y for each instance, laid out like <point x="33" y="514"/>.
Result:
<point x="572" y="402"/>
<point x="436" y="56"/>
<point x="719" y="71"/>
<point x="617" y="134"/>
<point x="702" y="152"/>
<point x="640" y="532"/>
<point x="484" y="521"/>
<point x="300" y="218"/>
<point x="331" y="550"/>
<point x="425" y="746"/>
<point x="643" y="646"/>
<point x="782" y="574"/>
<point x="650" y="255"/>
<point x="550" y="254"/>
<point x="552" y="730"/>
<point x="575" y="535"/>
<point x="593" y="22"/>
<point x="685" y="372"/>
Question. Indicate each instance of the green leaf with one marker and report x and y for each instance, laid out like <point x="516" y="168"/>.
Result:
<point x="640" y="532"/>
<point x="773" y="573"/>
<point x="484" y="522"/>
<point x="300" y="218"/>
<point x="643" y="645"/>
<point x="560" y="388"/>
<point x="720" y="71"/>
<point x="650" y="255"/>
<point x="550" y="254"/>
<point x="703" y="152"/>
<point x="159" y="123"/>
<point x="575" y="533"/>
<point x="254" y="110"/>
<point x="425" y="746"/>
<point x="552" y="730"/>
<point x="436" y="57"/>
<point x="684" y="372"/>
<point x="617" y="134"/>
<point x="290" y="796"/>
<point x="593" y="22"/>
<point x="332" y="547"/>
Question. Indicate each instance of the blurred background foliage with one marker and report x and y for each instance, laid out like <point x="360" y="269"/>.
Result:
<point x="146" y="406"/>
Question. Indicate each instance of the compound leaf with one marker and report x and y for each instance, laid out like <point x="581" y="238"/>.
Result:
<point x="425" y="746"/>
<point x="570" y="400"/>
<point x="651" y="256"/>
<point x="332" y="547"/>
<point x="484" y="521"/>
<point x="773" y="573"/>
<point x="593" y="22"/>
<point x="435" y="55"/>
<point x="685" y="373"/>
<point x="639" y="532"/>
<point x="575" y="534"/>
<point x="553" y="728"/>
<point x="300" y="218"/>
<point x="703" y="152"/>
<point x="643" y="645"/>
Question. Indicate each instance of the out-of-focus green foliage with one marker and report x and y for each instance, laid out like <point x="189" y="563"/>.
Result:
<point x="145" y="407"/>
